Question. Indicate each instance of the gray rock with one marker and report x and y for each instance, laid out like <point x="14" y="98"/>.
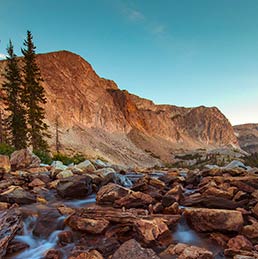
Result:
<point x="16" y="194"/>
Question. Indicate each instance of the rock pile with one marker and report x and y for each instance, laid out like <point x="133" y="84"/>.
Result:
<point x="134" y="217"/>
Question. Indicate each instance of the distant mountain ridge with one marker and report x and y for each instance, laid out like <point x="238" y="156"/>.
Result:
<point x="247" y="135"/>
<point x="99" y="119"/>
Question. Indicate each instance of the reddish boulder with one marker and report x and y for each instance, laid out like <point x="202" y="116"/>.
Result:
<point x="151" y="230"/>
<point x="111" y="192"/>
<point x="214" y="219"/>
<point x="134" y="200"/>
<point x="240" y="243"/>
<point x="251" y="231"/>
<point x="184" y="251"/>
<point x="93" y="254"/>
<point x="93" y="226"/>
<point x="5" y="165"/>
<point x="65" y="237"/>
<point x="53" y="254"/>
<point x="24" y="158"/>
<point x="131" y="249"/>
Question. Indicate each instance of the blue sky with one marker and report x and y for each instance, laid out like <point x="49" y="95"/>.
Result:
<point x="182" y="52"/>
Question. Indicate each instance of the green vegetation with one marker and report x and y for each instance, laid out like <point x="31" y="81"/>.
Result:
<point x="34" y="97"/>
<point x="65" y="159"/>
<point x="23" y="95"/>
<point x="77" y="158"/>
<point x="44" y="156"/>
<point x="6" y="149"/>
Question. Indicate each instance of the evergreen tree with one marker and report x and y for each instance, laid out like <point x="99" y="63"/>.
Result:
<point x="34" y="97"/>
<point x="16" y="120"/>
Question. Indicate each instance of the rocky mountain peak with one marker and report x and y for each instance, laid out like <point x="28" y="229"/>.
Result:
<point x="97" y="118"/>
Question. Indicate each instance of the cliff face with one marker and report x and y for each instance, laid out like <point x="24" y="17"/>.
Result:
<point x="97" y="118"/>
<point x="247" y="135"/>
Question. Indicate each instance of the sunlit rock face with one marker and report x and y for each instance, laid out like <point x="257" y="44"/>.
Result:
<point x="97" y="118"/>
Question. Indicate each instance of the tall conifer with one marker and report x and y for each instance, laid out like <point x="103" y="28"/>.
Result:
<point x="12" y="97"/>
<point x="34" y="97"/>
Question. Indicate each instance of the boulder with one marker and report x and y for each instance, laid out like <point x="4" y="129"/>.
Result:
<point x="10" y="223"/>
<point x="176" y="192"/>
<point x="251" y="231"/>
<point x="134" y="200"/>
<point x="184" y="251"/>
<point x="239" y="243"/>
<point x="5" y="165"/>
<point x="214" y="219"/>
<point x="36" y="183"/>
<point x="100" y="164"/>
<point x="131" y="249"/>
<point x="117" y="178"/>
<point x="93" y="226"/>
<point x="4" y="205"/>
<point x="86" y="166"/>
<point x="213" y="191"/>
<point x="235" y="164"/>
<point x="65" y="237"/>
<point x="151" y="230"/>
<point x="255" y="210"/>
<point x="74" y="187"/>
<point x="93" y="254"/>
<point x="53" y="254"/>
<point x="16" y="194"/>
<point x="58" y="166"/>
<point x="111" y="192"/>
<point x="172" y="209"/>
<point x="64" y="174"/>
<point x="24" y="158"/>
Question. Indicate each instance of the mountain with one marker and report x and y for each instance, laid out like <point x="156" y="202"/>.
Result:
<point x="97" y="118"/>
<point x="247" y="135"/>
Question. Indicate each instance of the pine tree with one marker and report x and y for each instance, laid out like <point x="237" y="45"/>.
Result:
<point x="34" y="97"/>
<point x="12" y="97"/>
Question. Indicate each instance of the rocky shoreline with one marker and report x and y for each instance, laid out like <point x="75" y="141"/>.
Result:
<point x="97" y="210"/>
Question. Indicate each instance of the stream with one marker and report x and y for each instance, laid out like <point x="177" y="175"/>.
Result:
<point x="182" y="233"/>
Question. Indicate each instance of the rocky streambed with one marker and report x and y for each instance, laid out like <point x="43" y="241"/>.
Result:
<point x="96" y="210"/>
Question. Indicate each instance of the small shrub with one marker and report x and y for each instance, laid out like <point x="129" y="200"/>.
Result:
<point x="6" y="149"/>
<point x="44" y="156"/>
<point x="66" y="160"/>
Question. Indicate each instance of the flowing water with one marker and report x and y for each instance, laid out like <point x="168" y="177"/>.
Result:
<point x="38" y="246"/>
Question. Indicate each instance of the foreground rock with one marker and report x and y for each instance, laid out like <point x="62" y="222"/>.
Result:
<point x="24" y="158"/>
<point x="5" y="165"/>
<point x="152" y="230"/>
<point x="93" y="254"/>
<point x="214" y="219"/>
<point x="10" y="223"/>
<point x="184" y="251"/>
<point x="16" y="194"/>
<point x="74" y="187"/>
<point x="133" y="250"/>
<point x="111" y="192"/>
<point x="92" y="226"/>
<point x="134" y="200"/>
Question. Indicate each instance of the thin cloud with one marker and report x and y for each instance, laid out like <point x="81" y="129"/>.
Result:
<point x="135" y="15"/>
<point x="2" y="56"/>
<point x="158" y="29"/>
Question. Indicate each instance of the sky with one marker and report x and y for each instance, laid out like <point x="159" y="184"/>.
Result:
<point x="181" y="52"/>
